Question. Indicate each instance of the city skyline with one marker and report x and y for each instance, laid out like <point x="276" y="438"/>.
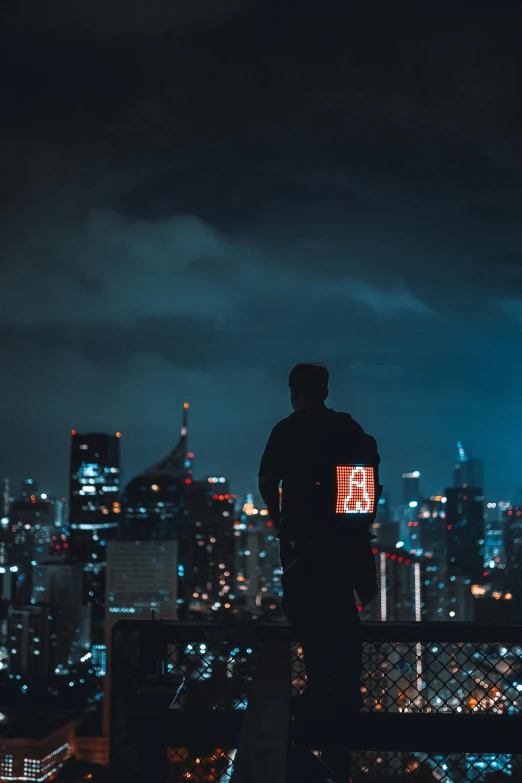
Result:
<point x="56" y="486"/>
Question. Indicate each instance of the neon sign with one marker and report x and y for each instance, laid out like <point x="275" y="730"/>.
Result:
<point x="355" y="490"/>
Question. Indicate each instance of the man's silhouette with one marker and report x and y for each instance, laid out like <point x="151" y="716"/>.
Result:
<point x="319" y="480"/>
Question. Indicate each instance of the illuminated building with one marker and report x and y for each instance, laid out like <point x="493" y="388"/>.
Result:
<point x="94" y="509"/>
<point x="211" y="524"/>
<point x="33" y="519"/>
<point x="58" y="584"/>
<point x="407" y="512"/>
<point x="495" y="552"/>
<point x="30" y="642"/>
<point x="258" y="567"/>
<point x="414" y="588"/>
<point x="513" y="547"/>
<point x="38" y="749"/>
<point x="429" y="527"/>
<point x="410" y="487"/>
<point x="155" y="502"/>
<point x="465" y="531"/>
<point x="94" y="493"/>
<point x="99" y="659"/>
<point x="142" y="579"/>
<point x="468" y="472"/>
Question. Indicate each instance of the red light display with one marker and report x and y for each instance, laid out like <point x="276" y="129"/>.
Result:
<point x="355" y="490"/>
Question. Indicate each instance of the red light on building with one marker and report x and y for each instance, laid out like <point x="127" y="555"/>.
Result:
<point x="410" y="524"/>
<point x="408" y="562"/>
<point x="355" y="490"/>
<point x="73" y="432"/>
<point x="190" y="455"/>
<point x="188" y="481"/>
<point x="270" y="524"/>
<point x="387" y="554"/>
<point x="486" y="573"/>
<point x="510" y="513"/>
<point x="118" y="434"/>
<point x="375" y="551"/>
<point x="401" y="559"/>
<point x="215" y="497"/>
<point x="394" y="557"/>
<point x="449" y="527"/>
<point x="359" y="608"/>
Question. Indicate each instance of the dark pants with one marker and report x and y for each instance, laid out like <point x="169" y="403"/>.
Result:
<point x="319" y="603"/>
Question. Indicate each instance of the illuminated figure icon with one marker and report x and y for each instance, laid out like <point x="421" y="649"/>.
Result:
<point x="355" y="490"/>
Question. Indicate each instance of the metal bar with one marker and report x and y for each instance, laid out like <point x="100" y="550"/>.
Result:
<point x="245" y="632"/>
<point x="263" y="744"/>
<point x="429" y="733"/>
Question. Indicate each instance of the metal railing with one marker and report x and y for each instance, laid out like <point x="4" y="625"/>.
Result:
<point x="450" y="691"/>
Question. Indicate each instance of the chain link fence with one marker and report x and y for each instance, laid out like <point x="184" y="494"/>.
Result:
<point x="456" y="673"/>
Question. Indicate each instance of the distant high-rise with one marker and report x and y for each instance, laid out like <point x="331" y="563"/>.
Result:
<point x="32" y="522"/>
<point x="154" y="502"/>
<point x="410" y="487"/>
<point x="468" y="471"/>
<point x="431" y="527"/>
<point x="513" y="547"/>
<point x="258" y="565"/>
<point x="94" y="493"/>
<point x="94" y="512"/>
<point x="407" y="512"/>
<point x="465" y="531"/>
<point x="58" y="584"/>
<point x="142" y="578"/>
<point x="211" y="523"/>
<point x="31" y="628"/>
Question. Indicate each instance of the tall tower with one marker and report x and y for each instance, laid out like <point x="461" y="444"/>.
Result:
<point x="468" y="471"/>
<point x="154" y="501"/>
<point x="94" y="512"/>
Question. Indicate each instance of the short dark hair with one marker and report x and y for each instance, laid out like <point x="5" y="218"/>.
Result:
<point x="310" y="380"/>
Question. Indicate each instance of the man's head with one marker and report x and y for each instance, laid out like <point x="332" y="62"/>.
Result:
<point x="308" y="385"/>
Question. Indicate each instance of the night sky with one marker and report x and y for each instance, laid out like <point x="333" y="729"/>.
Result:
<point x="198" y="194"/>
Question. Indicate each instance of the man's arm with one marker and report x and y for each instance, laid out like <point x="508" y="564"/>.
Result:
<point x="271" y="473"/>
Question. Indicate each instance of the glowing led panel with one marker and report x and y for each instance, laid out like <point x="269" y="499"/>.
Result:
<point x="355" y="490"/>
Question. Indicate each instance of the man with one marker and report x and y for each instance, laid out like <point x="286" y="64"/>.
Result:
<point x="327" y="467"/>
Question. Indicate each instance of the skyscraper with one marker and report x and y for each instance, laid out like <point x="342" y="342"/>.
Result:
<point x="407" y="512"/>
<point x="430" y="527"/>
<point x="211" y="525"/>
<point x="258" y="565"/>
<point x="513" y="548"/>
<point x="142" y="578"/>
<point x="410" y="487"/>
<point x="33" y="519"/>
<point x="94" y="493"/>
<point x="58" y="584"/>
<point x="468" y="471"/>
<point x="31" y="633"/>
<point x="465" y="531"/>
<point x="154" y="501"/>
<point x="94" y="509"/>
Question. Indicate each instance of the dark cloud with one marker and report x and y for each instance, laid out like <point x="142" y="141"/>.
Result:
<point x="198" y="195"/>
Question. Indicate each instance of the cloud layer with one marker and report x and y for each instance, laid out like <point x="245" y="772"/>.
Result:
<point x="194" y="202"/>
